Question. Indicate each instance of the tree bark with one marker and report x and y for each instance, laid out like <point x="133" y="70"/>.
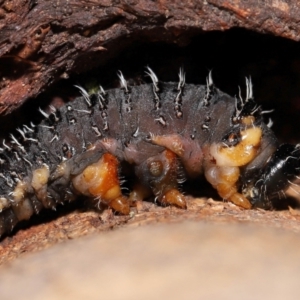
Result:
<point x="76" y="224"/>
<point x="43" y="41"/>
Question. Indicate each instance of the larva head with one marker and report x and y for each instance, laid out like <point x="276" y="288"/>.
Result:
<point x="237" y="148"/>
<point x="240" y="151"/>
<point x="236" y="151"/>
<point x="275" y="177"/>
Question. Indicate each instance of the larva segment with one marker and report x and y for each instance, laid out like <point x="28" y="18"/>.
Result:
<point x="30" y="195"/>
<point x="224" y="180"/>
<point x="24" y="209"/>
<point x="188" y="150"/>
<point x="160" y="173"/>
<point x="39" y="183"/>
<point x="100" y="180"/>
<point x="3" y="203"/>
<point x="222" y="170"/>
<point x="241" y="154"/>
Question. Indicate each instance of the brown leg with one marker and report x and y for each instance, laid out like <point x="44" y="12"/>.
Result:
<point x="224" y="180"/>
<point x="160" y="173"/>
<point x="101" y="181"/>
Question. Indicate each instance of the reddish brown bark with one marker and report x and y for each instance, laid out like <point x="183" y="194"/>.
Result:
<point x="43" y="41"/>
<point x="76" y="224"/>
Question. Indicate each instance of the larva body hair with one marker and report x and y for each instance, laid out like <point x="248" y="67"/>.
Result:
<point x="166" y="132"/>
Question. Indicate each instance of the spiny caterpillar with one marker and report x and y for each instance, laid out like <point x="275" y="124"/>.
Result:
<point x="165" y="132"/>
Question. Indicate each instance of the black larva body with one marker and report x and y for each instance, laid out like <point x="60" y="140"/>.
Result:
<point x="123" y="122"/>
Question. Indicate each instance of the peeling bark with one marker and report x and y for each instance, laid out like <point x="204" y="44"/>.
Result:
<point x="44" y="41"/>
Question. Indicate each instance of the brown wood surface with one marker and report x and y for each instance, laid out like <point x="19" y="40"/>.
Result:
<point x="43" y="41"/>
<point x="76" y="224"/>
<point x="189" y="260"/>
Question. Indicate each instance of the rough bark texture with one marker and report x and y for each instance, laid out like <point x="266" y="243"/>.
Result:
<point x="43" y="41"/>
<point x="76" y="224"/>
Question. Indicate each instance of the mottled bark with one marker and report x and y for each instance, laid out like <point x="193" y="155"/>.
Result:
<point x="76" y="224"/>
<point x="42" y="41"/>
